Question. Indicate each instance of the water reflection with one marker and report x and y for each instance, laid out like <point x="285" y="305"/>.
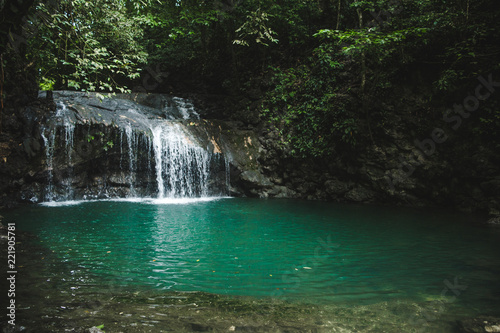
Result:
<point x="289" y="249"/>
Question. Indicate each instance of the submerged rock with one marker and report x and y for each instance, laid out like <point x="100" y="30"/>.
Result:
<point x="480" y="325"/>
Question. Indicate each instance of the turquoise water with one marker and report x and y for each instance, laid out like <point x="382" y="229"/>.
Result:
<point x="313" y="252"/>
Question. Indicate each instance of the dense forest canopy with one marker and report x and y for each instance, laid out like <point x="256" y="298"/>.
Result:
<point x="323" y="68"/>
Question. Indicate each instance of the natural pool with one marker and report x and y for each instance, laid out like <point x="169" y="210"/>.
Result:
<point x="255" y="265"/>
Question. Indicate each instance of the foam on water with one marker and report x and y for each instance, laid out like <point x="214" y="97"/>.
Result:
<point x="181" y="201"/>
<point x="62" y="203"/>
<point x="150" y="201"/>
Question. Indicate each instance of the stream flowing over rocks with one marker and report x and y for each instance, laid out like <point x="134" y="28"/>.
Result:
<point x="89" y="146"/>
<point x="140" y="145"/>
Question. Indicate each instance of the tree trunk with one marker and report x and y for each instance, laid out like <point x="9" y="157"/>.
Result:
<point x="1" y="90"/>
<point x="363" y="80"/>
<point x="12" y="15"/>
<point x="467" y="13"/>
<point x="363" y="55"/>
<point x="326" y="9"/>
<point x="338" y="15"/>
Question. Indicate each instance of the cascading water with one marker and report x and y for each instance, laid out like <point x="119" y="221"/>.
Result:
<point x="132" y="150"/>
<point x="183" y="165"/>
<point x="69" y="132"/>
<point x="61" y="127"/>
<point x="49" y="155"/>
<point x="119" y="148"/>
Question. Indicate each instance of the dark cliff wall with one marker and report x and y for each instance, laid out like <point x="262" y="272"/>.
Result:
<point x="21" y="147"/>
<point x="427" y="149"/>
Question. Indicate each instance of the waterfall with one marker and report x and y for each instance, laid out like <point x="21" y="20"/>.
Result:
<point x="184" y="165"/>
<point x="49" y="156"/>
<point x="69" y="133"/>
<point x="132" y="158"/>
<point x="185" y="108"/>
<point x="158" y="149"/>
<point x="60" y="127"/>
<point x="120" y="148"/>
<point x="227" y="174"/>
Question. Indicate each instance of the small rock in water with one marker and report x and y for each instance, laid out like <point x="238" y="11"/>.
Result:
<point x="494" y="220"/>
<point x="480" y="324"/>
<point x="95" y="330"/>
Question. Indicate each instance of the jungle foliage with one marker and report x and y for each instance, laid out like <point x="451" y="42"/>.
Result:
<point x="323" y="66"/>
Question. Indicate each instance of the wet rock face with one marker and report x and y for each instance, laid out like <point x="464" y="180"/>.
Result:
<point x="128" y="146"/>
<point x="145" y="145"/>
<point x="392" y="171"/>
